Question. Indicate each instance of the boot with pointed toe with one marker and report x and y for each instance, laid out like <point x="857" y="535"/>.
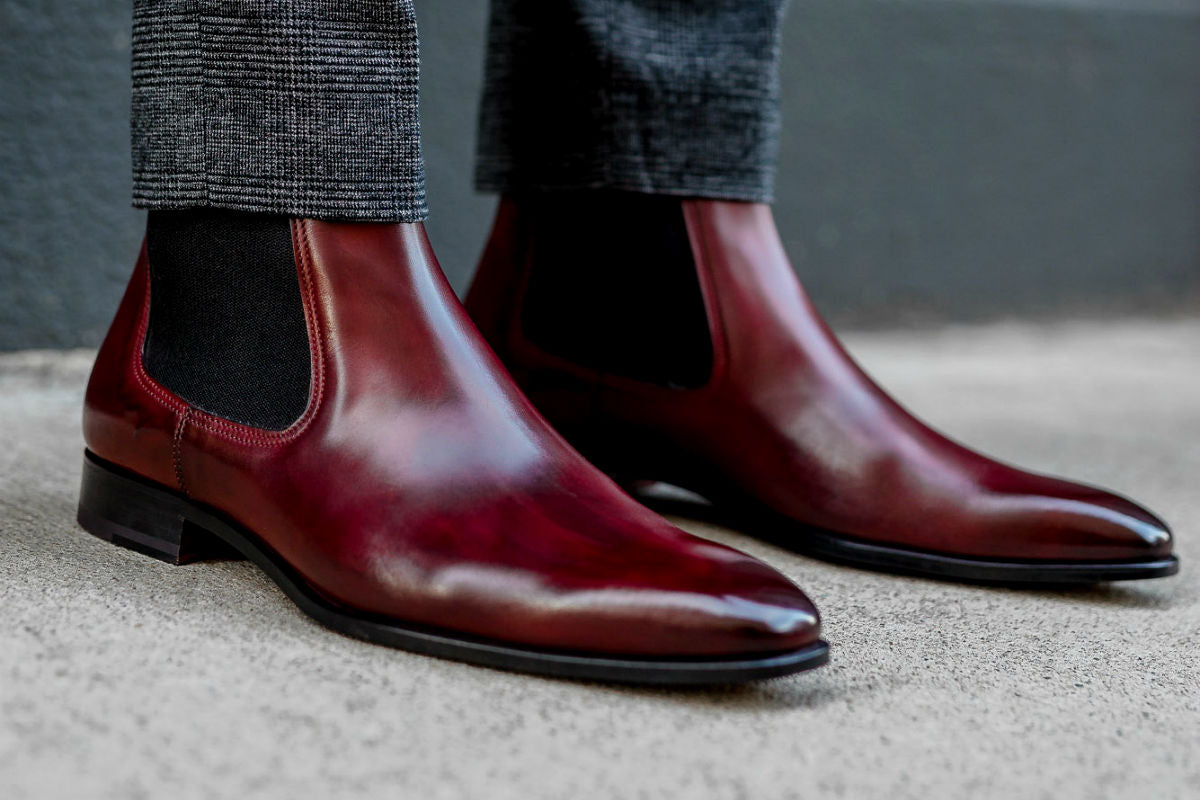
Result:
<point x="420" y="501"/>
<point x="671" y="341"/>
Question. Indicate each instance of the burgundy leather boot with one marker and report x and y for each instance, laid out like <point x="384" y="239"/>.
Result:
<point x="420" y="501"/>
<point x="671" y="341"/>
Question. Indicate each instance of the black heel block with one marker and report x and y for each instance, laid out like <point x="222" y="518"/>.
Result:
<point x="131" y="512"/>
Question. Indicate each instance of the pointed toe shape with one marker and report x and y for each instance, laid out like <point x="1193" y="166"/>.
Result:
<point x="782" y="431"/>
<point x="1136" y="530"/>
<point x="750" y="609"/>
<point x="1069" y="521"/>
<point x="421" y="501"/>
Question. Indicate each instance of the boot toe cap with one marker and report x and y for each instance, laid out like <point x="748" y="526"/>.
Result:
<point x="1081" y="523"/>
<point x="751" y="609"/>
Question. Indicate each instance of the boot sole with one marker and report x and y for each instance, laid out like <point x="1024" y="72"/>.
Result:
<point x="841" y="549"/>
<point x="127" y="510"/>
<point x="1017" y="574"/>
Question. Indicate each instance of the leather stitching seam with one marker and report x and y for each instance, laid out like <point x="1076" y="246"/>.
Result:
<point x="177" y="449"/>
<point x="148" y="384"/>
<point x="232" y="431"/>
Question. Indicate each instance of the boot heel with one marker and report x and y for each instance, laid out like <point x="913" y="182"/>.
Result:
<point x="133" y="513"/>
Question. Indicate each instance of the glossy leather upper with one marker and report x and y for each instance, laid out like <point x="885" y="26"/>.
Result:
<point x="789" y="422"/>
<point x="420" y="484"/>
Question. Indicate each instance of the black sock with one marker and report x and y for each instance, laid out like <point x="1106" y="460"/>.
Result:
<point x="227" y="331"/>
<point x="613" y="286"/>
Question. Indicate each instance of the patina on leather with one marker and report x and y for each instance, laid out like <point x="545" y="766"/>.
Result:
<point x="421" y="486"/>
<point x="787" y="422"/>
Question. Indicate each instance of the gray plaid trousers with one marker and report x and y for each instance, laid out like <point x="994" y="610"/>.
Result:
<point x="309" y="107"/>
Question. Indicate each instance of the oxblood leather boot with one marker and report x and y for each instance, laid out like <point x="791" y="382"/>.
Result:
<point x="761" y="411"/>
<point x="421" y="501"/>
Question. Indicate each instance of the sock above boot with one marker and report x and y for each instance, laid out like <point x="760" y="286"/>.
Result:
<point x="227" y="331"/>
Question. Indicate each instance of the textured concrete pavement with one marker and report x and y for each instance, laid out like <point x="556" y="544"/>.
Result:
<point x="121" y="677"/>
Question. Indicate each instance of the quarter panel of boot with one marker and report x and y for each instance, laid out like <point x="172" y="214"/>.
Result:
<point x="123" y="421"/>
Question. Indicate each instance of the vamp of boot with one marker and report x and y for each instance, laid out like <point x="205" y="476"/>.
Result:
<point x="670" y="340"/>
<point x="311" y="395"/>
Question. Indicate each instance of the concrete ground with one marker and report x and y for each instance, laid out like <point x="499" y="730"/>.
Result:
<point x="121" y="677"/>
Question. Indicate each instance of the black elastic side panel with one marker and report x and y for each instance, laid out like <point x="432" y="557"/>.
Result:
<point x="227" y="330"/>
<point x="613" y="286"/>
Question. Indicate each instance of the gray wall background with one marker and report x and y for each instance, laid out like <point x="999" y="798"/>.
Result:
<point x="943" y="159"/>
